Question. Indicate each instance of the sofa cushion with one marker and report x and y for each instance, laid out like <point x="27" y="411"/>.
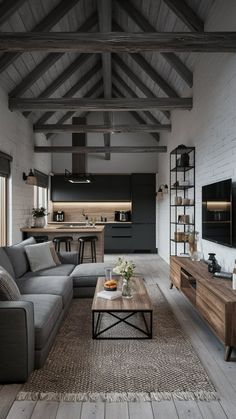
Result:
<point x="6" y="263"/>
<point x="18" y="258"/>
<point x="60" y="270"/>
<point x="86" y="274"/>
<point x="9" y="291"/>
<point x="47" y="309"/>
<point x="61" y="286"/>
<point x="39" y="256"/>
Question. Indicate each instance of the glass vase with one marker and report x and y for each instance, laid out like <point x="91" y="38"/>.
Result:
<point x="126" y="288"/>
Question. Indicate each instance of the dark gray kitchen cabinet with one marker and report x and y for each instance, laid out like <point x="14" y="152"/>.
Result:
<point x="104" y="188"/>
<point x="144" y="238"/>
<point x="118" y="237"/>
<point x="143" y="188"/>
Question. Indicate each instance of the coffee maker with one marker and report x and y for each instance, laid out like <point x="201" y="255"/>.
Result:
<point x="122" y="216"/>
<point x="59" y="216"/>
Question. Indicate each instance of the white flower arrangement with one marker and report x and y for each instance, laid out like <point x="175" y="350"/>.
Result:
<point x="124" y="268"/>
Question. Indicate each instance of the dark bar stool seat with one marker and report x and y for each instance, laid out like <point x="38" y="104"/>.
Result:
<point x="63" y="239"/>
<point x="87" y="239"/>
<point x="41" y="239"/>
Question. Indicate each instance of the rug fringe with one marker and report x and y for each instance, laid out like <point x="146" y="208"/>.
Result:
<point x="118" y="397"/>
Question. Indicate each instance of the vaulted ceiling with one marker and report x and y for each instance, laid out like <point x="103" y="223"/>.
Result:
<point x="53" y="73"/>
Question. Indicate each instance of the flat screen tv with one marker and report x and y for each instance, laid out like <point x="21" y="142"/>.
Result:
<point x="217" y="223"/>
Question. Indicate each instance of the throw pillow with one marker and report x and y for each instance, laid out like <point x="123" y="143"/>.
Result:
<point x="54" y="254"/>
<point x="39" y="256"/>
<point x="9" y="291"/>
<point x="17" y="256"/>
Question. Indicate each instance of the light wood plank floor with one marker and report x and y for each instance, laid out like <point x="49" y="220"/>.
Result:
<point x="207" y="346"/>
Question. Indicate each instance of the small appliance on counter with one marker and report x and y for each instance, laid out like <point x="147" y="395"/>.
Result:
<point x="122" y="216"/>
<point x="59" y="216"/>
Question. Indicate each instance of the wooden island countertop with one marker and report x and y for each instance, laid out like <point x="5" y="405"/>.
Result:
<point x="75" y="231"/>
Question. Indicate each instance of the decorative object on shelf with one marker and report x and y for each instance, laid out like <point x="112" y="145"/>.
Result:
<point x="193" y="240"/>
<point x="183" y="219"/>
<point x="163" y="190"/>
<point x="178" y="200"/>
<point x="30" y="179"/>
<point x="126" y="269"/>
<point x="39" y="216"/>
<point x="213" y="265"/>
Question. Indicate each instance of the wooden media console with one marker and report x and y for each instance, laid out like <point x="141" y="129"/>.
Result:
<point x="213" y="298"/>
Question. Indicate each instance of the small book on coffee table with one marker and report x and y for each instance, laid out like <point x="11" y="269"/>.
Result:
<point x="109" y="295"/>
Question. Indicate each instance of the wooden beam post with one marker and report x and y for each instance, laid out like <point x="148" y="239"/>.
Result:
<point x="105" y="18"/>
<point x="100" y="129"/>
<point x="116" y="42"/>
<point x="97" y="105"/>
<point x="91" y="150"/>
<point x="186" y="14"/>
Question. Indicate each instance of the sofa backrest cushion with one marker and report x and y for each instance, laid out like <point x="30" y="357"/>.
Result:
<point x="9" y="291"/>
<point x="39" y="256"/>
<point x="6" y="263"/>
<point x="18" y="258"/>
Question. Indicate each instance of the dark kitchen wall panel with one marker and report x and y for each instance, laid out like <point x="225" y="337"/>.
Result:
<point x="143" y="188"/>
<point x="104" y="188"/>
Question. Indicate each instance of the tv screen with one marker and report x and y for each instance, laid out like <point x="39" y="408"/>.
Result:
<point x="217" y="212"/>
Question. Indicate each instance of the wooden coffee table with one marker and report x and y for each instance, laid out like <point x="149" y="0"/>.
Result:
<point x="140" y="303"/>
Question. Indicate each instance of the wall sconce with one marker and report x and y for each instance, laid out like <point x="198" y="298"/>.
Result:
<point x="163" y="189"/>
<point x="30" y="179"/>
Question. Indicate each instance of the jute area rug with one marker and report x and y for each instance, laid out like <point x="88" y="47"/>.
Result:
<point x="82" y="369"/>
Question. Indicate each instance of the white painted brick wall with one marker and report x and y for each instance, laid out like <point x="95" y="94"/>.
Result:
<point x="17" y="139"/>
<point x="210" y="126"/>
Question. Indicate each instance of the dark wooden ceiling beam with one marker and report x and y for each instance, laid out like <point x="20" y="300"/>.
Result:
<point x="105" y="25"/>
<point x="45" y="25"/>
<point x="186" y="14"/>
<point x="93" y="92"/>
<point x="170" y="57"/>
<point x="116" y="129"/>
<point x="97" y="105"/>
<point x="134" y="114"/>
<point x="73" y="90"/>
<point x="136" y="80"/>
<point x="8" y="7"/>
<point x="116" y="42"/>
<point x="47" y="62"/>
<point x="91" y="150"/>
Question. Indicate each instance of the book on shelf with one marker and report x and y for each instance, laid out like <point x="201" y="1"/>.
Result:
<point x="109" y="295"/>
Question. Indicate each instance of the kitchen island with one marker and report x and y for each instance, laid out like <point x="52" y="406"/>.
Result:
<point x="74" y="231"/>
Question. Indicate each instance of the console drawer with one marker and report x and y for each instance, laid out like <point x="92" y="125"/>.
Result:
<point x="212" y="309"/>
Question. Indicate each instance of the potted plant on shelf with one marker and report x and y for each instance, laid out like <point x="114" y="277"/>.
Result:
<point x="126" y="269"/>
<point x="39" y="216"/>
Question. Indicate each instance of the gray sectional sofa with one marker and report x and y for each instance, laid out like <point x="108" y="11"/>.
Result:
<point x="28" y="327"/>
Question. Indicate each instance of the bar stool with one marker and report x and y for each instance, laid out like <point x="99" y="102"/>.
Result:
<point x="41" y="239"/>
<point x="87" y="239"/>
<point x="63" y="239"/>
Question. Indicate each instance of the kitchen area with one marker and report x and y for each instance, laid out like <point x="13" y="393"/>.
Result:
<point x="119" y="209"/>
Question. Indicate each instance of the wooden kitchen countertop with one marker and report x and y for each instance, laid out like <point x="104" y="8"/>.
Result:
<point x="64" y="229"/>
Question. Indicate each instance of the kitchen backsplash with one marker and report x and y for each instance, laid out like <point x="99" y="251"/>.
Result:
<point x="74" y="210"/>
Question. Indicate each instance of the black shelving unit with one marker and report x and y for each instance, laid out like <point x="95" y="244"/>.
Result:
<point x="180" y="171"/>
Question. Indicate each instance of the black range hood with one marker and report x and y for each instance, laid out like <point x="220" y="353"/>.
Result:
<point x="78" y="177"/>
<point x="79" y="160"/>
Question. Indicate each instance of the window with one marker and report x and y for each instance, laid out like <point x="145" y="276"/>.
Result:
<point x="5" y="171"/>
<point x="3" y="211"/>
<point x="40" y="197"/>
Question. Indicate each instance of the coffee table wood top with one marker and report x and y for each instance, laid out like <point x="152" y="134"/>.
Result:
<point x="140" y="301"/>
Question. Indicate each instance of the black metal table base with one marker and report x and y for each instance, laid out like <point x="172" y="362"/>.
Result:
<point x="97" y="332"/>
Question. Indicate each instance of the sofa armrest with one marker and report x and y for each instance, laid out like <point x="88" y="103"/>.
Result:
<point x="16" y="340"/>
<point x="69" y="257"/>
